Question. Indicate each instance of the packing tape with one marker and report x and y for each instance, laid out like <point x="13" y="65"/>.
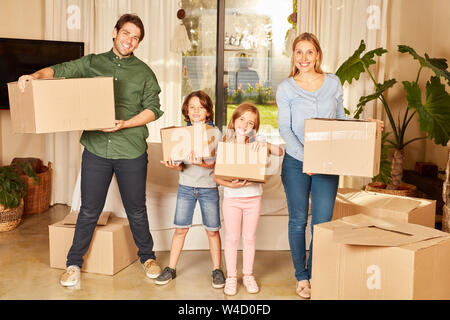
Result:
<point x="336" y="135"/>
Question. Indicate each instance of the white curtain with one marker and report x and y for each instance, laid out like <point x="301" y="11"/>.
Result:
<point x="340" y="25"/>
<point x="92" y="22"/>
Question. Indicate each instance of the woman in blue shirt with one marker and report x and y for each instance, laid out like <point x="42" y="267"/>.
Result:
<point x="307" y="93"/>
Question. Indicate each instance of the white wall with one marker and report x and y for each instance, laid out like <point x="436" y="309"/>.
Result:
<point x="424" y="27"/>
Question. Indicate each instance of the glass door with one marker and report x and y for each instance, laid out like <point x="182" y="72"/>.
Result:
<point x="199" y="63"/>
<point x="255" y="58"/>
<point x="242" y="44"/>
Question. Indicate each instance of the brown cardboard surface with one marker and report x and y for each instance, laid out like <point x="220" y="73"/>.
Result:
<point x="178" y="142"/>
<point x="416" y="270"/>
<point x="366" y="230"/>
<point x="112" y="247"/>
<point x="238" y="161"/>
<point x="71" y="218"/>
<point x="406" y="209"/>
<point x="56" y="105"/>
<point x="343" y="147"/>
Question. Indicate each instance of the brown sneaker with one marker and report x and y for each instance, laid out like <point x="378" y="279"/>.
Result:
<point x="152" y="268"/>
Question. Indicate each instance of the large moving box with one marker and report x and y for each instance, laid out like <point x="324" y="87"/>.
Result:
<point x="112" y="247"/>
<point x="405" y="209"/>
<point x="239" y="161"/>
<point x="344" y="147"/>
<point x="178" y="142"/>
<point x="362" y="257"/>
<point x="55" y="105"/>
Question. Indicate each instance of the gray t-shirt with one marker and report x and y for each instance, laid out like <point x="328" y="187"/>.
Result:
<point x="196" y="176"/>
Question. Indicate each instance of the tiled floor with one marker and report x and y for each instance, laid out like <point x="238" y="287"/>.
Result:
<point x="25" y="271"/>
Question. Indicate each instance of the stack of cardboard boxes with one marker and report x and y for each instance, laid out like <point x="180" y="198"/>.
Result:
<point x="377" y="246"/>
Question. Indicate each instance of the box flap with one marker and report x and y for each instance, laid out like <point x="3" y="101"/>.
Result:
<point x="71" y="218"/>
<point x="380" y="201"/>
<point x="365" y="230"/>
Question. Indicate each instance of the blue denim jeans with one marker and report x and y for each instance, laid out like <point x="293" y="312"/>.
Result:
<point x="96" y="175"/>
<point x="298" y="186"/>
<point x="209" y="204"/>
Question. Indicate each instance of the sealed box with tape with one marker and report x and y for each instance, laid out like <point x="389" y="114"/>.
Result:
<point x="343" y="147"/>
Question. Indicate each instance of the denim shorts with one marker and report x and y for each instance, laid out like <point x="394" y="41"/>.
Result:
<point x="209" y="204"/>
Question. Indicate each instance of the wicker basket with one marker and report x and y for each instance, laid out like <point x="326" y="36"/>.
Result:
<point x="10" y="218"/>
<point x="411" y="190"/>
<point x="37" y="199"/>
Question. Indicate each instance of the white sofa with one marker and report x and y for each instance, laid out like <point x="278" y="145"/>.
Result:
<point x="162" y="184"/>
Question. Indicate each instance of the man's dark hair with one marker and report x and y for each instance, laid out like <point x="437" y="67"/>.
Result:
<point x="134" y="19"/>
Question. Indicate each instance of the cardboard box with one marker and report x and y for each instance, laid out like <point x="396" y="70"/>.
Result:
<point x="55" y="105"/>
<point x="343" y="147"/>
<point x="361" y="257"/>
<point x="405" y="209"/>
<point x="178" y="142"/>
<point x="112" y="247"/>
<point x="72" y="217"/>
<point x="238" y="161"/>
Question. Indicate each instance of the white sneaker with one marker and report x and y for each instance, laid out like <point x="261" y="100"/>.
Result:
<point x="71" y="277"/>
<point x="230" y="286"/>
<point x="250" y="284"/>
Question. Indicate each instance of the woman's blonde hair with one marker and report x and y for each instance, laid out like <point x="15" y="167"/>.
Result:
<point x="239" y="111"/>
<point x="315" y="42"/>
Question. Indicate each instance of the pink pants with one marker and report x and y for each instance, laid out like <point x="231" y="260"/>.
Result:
<point x="239" y="212"/>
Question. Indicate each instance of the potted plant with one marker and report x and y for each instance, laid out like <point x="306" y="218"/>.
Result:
<point x="433" y="115"/>
<point x="12" y="191"/>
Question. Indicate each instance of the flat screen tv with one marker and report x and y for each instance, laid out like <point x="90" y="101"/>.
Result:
<point x="24" y="56"/>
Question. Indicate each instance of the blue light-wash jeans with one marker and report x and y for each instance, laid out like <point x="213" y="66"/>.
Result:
<point x="96" y="175"/>
<point x="208" y="199"/>
<point x="298" y="186"/>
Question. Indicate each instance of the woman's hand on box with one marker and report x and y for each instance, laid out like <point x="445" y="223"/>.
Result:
<point x="119" y="124"/>
<point x="381" y="122"/>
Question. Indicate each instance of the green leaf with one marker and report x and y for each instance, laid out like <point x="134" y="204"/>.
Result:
<point x="12" y="188"/>
<point x="380" y="89"/>
<point x="434" y="115"/>
<point x="368" y="57"/>
<point x="352" y="67"/>
<point x="438" y="65"/>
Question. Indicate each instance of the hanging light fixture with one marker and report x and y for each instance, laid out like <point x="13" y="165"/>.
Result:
<point x="180" y="42"/>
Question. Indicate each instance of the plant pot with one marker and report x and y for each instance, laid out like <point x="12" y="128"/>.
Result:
<point x="37" y="199"/>
<point x="404" y="189"/>
<point x="11" y="217"/>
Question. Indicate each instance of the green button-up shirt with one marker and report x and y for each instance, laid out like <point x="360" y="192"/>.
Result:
<point x="135" y="89"/>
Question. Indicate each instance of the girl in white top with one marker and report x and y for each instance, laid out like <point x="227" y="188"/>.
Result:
<point x="242" y="201"/>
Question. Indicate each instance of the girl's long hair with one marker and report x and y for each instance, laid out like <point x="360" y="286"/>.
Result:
<point x="239" y="111"/>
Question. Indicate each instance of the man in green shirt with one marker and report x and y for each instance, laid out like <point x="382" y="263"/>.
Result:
<point x="121" y="150"/>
